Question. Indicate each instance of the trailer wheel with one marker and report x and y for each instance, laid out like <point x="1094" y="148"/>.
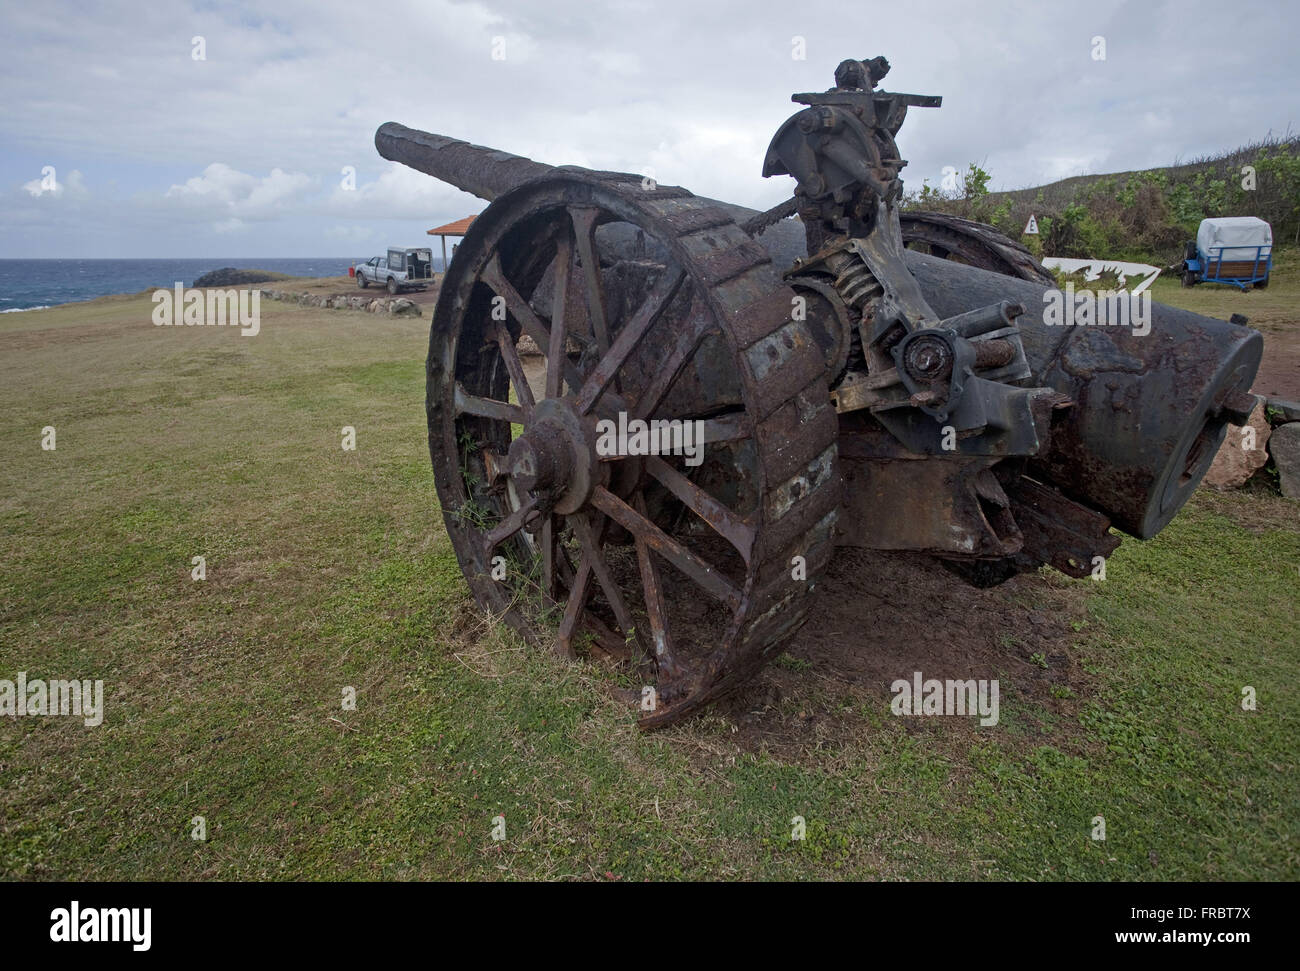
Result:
<point x="392" y="285"/>
<point x="1189" y="278"/>
<point x="1261" y="284"/>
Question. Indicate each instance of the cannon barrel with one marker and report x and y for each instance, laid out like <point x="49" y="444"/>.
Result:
<point x="487" y="172"/>
<point x="1150" y="409"/>
<point x="484" y="172"/>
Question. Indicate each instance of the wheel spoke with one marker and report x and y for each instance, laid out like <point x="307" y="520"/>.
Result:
<point x="739" y="532"/>
<point x="468" y="404"/>
<point x="591" y="552"/>
<point x="555" y="355"/>
<point x="579" y="588"/>
<point x="688" y="339"/>
<point x="548" y="558"/>
<point x="517" y="305"/>
<point x="519" y="309"/>
<point x="667" y="547"/>
<point x="509" y="353"/>
<point x="630" y="337"/>
<point x="573" y="609"/>
<point x="584" y="227"/>
<point x="509" y="526"/>
<point x="656" y="610"/>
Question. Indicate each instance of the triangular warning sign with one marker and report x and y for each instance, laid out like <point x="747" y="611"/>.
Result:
<point x="1031" y="227"/>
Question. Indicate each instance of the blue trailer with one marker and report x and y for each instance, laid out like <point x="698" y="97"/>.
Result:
<point x="1237" y="250"/>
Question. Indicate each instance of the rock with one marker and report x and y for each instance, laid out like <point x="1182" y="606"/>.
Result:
<point x="527" y="347"/>
<point x="1285" y="446"/>
<point x="229" y="276"/>
<point x="1289" y="410"/>
<point x="357" y="303"/>
<point x="404" y="308"/>
<point x="1235" y="463"/>
<point x="339" y="303"/>
<point x="376" y="306"/>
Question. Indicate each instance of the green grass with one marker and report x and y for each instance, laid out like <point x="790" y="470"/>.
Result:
<point x="1271" y="310"/>
<point x="328" y="569"/>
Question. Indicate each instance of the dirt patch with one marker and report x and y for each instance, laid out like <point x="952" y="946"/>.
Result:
<point x="878" y="618"/>
<point x="1279" y="371"/>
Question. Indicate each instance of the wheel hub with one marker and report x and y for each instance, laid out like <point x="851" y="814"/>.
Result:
<point x="555" y="457"/>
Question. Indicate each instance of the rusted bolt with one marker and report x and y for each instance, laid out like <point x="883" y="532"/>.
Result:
<point x="994" y="353"/>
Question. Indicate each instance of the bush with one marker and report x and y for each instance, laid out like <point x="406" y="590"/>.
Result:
<point x="1144" y="217"/>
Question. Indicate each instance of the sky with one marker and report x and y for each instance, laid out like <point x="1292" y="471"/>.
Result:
<point x="206" y="129"/>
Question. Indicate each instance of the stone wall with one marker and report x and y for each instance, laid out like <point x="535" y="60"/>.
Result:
<point x="395" y="306"/>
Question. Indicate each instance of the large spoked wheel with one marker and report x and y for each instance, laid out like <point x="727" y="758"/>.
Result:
<point x="971" y="243"/>
<point x="688" y="552"/>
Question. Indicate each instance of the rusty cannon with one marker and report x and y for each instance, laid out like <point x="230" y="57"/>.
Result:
<point x="723" y="396"/>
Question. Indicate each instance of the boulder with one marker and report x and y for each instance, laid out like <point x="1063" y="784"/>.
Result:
<point x="1285" y="446"/>
<point x="229" y="276"/>
<point x="1287" y="410"/>
<point x="1242" y="454"/>
<point x="403" y="307"/>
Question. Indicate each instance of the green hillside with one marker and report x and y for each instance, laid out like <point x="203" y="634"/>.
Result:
<point x="1144" y="216"/>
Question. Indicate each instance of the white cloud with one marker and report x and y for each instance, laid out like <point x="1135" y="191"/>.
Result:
<point x="692" y="90"/>
<point x="218" y="184"/>
<point x="51" y="184"/>
<point x="401" y="193"/>
<point x="243" y="195"/>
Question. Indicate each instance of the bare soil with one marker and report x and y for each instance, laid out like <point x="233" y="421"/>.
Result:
<point x="1279" y="371"/>
<point x="880" y="617"/>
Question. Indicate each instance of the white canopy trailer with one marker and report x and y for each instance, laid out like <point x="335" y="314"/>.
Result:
<point x="1237" y="250"/>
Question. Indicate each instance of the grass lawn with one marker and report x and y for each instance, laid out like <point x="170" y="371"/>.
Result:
<point x="328" y="569"/>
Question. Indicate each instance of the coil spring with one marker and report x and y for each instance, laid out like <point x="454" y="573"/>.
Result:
<point x="854" y="281"/>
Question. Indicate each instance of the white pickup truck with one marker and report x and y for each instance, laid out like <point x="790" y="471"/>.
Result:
<point x="408" y="268"/>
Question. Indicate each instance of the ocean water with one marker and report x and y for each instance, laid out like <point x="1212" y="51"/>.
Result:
<point x="27" y="284"/>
